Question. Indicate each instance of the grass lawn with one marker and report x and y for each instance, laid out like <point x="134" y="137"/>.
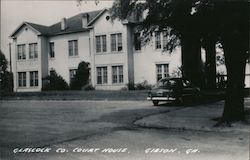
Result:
<point x="78" y="95"/>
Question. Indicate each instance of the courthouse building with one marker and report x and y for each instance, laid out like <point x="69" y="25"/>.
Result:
<point x="112" y="47"/>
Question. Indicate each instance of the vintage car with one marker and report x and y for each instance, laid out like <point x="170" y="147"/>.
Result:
<point x="173" y="89"/>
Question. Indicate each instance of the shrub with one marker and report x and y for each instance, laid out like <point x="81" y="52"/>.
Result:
<point x="139" y="86"/>
<point x="6" y="77"/>
<point x="82" y="76"/>
<point x="88" y="87"/>
<point x="143" y="85"/>
<point x="131" y="86"/>
<point x="124" y="89"/>
<point x="54" y="82"/>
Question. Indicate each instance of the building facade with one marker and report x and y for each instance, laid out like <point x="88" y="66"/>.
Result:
<point x="112" y="47"/>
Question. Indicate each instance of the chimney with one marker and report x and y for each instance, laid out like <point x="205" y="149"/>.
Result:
<point x="63" y="24"/>
<point x="85" y="20"/>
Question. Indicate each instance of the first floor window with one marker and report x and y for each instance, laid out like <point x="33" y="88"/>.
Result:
<point x="102" y="75"/>
<point x="157" y="40"/>
<point x="72" y="73"/>
<point x="52" y="50"/>
<point x="21" y="79"/>
<point x="34" y="78"/>
<point x="161" y="71"/>
<point x="116" y="42"/>
<point x="21" y="52"/>
<point x="52" y="72"/>
<point x="33" y="53"/>
<point x="101" y="44"/>
<point x="73" y="48"/>
<point x="117" y="74"/>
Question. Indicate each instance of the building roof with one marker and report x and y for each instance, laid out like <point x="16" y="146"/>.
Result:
<point x="74" y="24"/>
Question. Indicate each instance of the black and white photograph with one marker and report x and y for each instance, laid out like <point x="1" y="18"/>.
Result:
<point x="124" y="80"/>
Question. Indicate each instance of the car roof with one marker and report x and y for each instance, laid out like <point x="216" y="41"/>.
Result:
<point x="172" y="78"/>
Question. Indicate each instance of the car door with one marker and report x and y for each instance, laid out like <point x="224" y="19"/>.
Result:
<point x="188" y="89"/>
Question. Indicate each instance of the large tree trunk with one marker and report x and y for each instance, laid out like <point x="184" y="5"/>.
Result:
<point x="235" y="59"/>
<point x="210" y="63"/>
<point x="191" y="59"/>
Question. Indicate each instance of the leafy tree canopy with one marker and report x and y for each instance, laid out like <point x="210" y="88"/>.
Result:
<point x="204" y="19"/>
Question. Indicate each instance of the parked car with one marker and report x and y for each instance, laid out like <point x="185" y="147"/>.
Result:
<point x="173" y="89"/>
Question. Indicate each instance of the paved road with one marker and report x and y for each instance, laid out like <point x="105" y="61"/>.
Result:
<point x="92" y="130"/>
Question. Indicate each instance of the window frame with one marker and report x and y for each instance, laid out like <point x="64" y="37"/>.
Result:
<point x="162" y="71"/>
<point x="117" y="74"/>
<point x="51" y="49"/>
<point x="137" y="41"/>
<point x="22" y="79"/>
<point x="72" y="78"/>
<point x="102" y="44"/>
<point x="101" y="75"/>
<point x="33" y="51"/>
<point x="158" y="43"/>
<point x="34" y="81"/>
<point x="73" y="48"/>
<point x="116" y="43"/>
<point x="21" y="55"/>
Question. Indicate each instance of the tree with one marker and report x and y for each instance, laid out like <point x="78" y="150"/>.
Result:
<point x="6" y="77"/>
<point x="82" y="76"/>
<point x="196" y="23"/>
<point x="54" y="82"/>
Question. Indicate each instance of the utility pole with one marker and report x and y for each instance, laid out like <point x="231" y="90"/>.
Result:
<point x="10" y="57"/>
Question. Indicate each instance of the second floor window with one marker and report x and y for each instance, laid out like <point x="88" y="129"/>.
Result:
<point x="165" y="39"/>
<point x="102" y="75"/>
<point x="137" y="41"/>
<point x="21" y="79"/>
<point x="157" y="40"/>
<point x="73" y="48"/>
<point x="21" y="52"/>
<point x="52" y="50"/>
<point x="101" y="44"/>
<point x="33" y="53"/>
<point x="116" y="42"/>
<point x="34" y="78"/>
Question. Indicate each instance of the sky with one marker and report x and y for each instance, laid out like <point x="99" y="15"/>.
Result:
<point x="45" y="12"/>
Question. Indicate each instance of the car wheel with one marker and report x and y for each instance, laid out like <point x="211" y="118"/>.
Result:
<point x="156" y="103"/>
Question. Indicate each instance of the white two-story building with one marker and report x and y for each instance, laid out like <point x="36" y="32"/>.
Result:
<point x="112" y="47"/>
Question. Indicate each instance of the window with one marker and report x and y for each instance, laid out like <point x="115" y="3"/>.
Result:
<point x="165" y="39"/>
<point x="52" y="50"/>
<point x="72" y="73"/>
<point x="34" y="78"/>
<point x="21" y="52"/>
<point x="102" y="75"/>
<point x="33" y="51"/>
<point x="21" y="79"/>
<point x="137" y="41"/>
<point x="52" y="71"/>
<point x="73" y="48"/>
<point x="116" y="42"/>
<point x="101" y="44"/>
<point x="161" y="71"/>
<point x="117" y="74"/>
<point x="157" y="40"/>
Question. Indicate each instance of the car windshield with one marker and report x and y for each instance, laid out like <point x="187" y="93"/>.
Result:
<point x="166" y="83"/>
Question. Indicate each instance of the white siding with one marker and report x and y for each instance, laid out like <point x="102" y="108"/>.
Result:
<point x="62" y="62"/>
<point x="109" y="58"/>
<point x="26" y="36"/>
